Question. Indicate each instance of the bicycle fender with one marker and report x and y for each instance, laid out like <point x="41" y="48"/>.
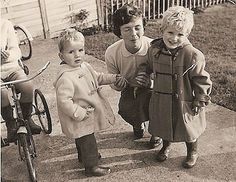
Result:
<point x="26" y="31"/>
<point x="22" y="129"/>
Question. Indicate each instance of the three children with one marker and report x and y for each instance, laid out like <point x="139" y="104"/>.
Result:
<point x="181" y="86"/>
<point x="82" y="107"/>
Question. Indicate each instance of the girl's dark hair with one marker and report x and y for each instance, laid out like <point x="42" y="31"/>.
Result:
<point x="124" y="15"/>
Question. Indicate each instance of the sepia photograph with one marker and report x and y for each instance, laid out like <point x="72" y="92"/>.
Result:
<point x="118" y="90"/>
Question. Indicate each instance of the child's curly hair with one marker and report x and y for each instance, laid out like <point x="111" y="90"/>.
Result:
<point x="178" y="17"/>
<point x="124" y="15"/>
<point x="69" y="35"/>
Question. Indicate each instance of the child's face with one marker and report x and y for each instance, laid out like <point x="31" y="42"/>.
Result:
<point x="73" y="53"/>
<point x="132" y="32"/>
<point x="174" y="38"/>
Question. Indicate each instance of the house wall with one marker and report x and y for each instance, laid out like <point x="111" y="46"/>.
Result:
<point x="47" y="18"/>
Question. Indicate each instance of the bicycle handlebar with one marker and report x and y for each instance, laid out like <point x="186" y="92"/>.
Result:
<point x="4" y="84"/>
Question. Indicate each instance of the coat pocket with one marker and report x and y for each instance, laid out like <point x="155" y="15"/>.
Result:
<point x="188" y="114"/>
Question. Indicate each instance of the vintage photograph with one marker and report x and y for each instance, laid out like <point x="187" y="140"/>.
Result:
<point x="118" y="90"/>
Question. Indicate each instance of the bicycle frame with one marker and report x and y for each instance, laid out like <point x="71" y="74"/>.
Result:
<point x="24" y="139"/>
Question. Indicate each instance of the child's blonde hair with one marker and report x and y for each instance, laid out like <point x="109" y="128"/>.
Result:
<point x="69" y="35"/>
<point x="177" y="17"/>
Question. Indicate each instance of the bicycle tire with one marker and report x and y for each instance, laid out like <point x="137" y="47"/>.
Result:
<point x="42" y="110"/>
<point x="24" y="43"/>
<point x="27" y="156"/>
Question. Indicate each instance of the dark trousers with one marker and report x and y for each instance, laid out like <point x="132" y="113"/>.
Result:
<point x="87" y="150"/>
<point x="134" y="105"/>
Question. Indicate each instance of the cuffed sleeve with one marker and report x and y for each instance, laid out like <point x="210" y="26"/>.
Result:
<point x="202" y="84"/>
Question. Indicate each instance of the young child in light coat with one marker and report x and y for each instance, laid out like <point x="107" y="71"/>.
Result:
<point x="82" y="108"/>
<point x="181" y="86"/>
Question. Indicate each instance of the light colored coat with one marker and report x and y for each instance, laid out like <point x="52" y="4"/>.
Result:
<point x="179" y="80"/>
<point x="77" y="89"/>
<point x="9" y="42"/>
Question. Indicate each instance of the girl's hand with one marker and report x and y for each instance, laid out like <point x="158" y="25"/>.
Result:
<point x="120" y="82"/>
<point x="4" y="55"/>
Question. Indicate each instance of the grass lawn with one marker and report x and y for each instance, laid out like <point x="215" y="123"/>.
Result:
<point x="214" y="34"/>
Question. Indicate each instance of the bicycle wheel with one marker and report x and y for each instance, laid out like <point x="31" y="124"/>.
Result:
<point x="27" y="155"/>
<point x="24" y="43"/>
<point x="42" y="111"/>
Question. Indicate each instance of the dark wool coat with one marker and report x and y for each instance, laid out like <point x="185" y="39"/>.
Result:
<point x="179" y="79"/>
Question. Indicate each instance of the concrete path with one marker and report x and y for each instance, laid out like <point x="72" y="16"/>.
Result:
<point x="129" y="159"/>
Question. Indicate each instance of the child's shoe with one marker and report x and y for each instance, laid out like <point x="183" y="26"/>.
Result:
<point x="97" y="171"/>
<point x="35" y="129"/>
<point x="164" y="152"/>
<point x="154" y="142"/>
<point x="192" y="155"/>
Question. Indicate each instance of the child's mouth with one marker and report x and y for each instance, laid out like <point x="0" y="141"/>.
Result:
<point x="77" y="60"/>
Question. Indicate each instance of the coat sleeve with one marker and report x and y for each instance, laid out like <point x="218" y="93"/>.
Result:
<point x="12" y="44"/>
<point x="201" y="82"/>
<point x="65" y="91"/>
<point x="111" y="67"/>
<point x="102" y="78"/>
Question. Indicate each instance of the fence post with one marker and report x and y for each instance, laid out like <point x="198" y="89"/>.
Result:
<point x="154" y="9"/>
<point x="43" y="13"/>
<point x="100" y="12"/>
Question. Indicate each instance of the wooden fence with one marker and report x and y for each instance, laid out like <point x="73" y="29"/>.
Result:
<point x="152" y="9"/>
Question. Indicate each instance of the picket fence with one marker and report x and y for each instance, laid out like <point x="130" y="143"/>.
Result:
<point x="152" y="9"/>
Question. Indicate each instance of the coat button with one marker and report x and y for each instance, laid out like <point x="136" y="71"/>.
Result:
<point x="177" y="96"/>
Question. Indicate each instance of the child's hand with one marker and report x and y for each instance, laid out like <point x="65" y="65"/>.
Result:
<point x="89" y="110"/>
<point x="4" y="55"/>
<point x="121" y="82"/>
<point x="143" y="79"/>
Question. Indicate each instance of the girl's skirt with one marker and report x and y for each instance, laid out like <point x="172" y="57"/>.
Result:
<point x="134" y="105"/>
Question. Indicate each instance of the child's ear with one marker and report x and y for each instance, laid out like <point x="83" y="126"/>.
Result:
<point x="61" y="56"/>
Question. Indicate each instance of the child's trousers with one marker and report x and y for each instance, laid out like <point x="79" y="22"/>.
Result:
<point x="87" y="150"/>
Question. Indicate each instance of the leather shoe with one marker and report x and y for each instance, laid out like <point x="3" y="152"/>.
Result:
<point x="164" y="152"/>
<point x="97" y="171"/>
<point x="154" y="142"/>
<point x="35" y="129"/>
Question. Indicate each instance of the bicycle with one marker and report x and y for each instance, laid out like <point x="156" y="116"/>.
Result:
<point x="24" y="137"/>
<point x="25" y="39"/>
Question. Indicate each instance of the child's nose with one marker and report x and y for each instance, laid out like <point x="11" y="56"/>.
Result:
<point x="175" y="37"/>
<point x="76" y="54"/>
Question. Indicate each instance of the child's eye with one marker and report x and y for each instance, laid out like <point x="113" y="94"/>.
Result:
<point x="81" y="50"/>
<point x="170" y="33"/>
<point x="71" y="51"/>
<point x="180" y="34"/>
